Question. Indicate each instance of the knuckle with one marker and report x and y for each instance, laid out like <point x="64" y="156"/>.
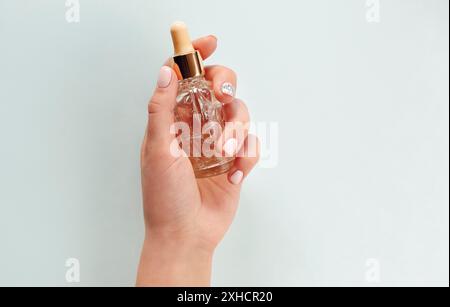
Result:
<point x="232" y="73"/>
<point x="224" y="70"/>
<point x="245" y="114"/>
<point x="154" y="106"/>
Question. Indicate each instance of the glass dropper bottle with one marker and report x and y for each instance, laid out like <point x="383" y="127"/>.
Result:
<point x="197" y="108"/>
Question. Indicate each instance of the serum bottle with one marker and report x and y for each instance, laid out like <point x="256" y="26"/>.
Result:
<point x="197" y="107"/>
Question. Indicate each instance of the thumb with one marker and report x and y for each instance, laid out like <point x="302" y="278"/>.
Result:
<point x="161" y="107"/>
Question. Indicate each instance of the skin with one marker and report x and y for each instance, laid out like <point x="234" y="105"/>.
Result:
<point x="186" y="218"/>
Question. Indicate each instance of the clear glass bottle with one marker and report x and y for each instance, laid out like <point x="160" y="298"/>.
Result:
<point x="197" y="106"/>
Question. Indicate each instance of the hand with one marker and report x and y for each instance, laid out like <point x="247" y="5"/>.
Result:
<point x="185" y="217"/>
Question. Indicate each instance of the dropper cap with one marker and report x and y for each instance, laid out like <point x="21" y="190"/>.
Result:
<point x="187" y="61"/>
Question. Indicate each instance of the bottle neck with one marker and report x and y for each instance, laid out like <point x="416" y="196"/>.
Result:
<point x="192" y="80"/>
<point x="189" y="65"/>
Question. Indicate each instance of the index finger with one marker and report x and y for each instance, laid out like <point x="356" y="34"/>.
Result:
<point x="206" y="46"/>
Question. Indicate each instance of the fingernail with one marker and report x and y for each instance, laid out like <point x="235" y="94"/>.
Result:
<point x="236" y="178"/>
<point x="230" y="147"/>
<point x="165" y="76"/>
<point x="228" y="89"/>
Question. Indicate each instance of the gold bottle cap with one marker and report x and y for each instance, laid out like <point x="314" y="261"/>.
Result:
<point x="188" y="62"/>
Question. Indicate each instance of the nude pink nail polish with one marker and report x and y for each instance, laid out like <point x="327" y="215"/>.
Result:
<point x="237" y="177"/>
<point x="165" y="76"/>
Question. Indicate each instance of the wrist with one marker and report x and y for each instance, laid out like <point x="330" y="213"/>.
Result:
<point x="174" y="261"/>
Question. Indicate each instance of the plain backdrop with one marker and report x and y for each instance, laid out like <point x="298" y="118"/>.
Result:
<point x="359" y="195"/>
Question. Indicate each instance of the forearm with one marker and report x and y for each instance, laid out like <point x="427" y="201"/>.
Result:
<point x="166" y="262"/>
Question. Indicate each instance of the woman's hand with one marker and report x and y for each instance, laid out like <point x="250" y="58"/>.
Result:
<point x="185" y="217"/>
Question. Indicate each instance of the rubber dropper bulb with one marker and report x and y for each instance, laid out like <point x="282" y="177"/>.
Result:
<point x="181" y="40"/>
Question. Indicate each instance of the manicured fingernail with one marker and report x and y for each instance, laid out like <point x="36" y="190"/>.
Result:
<point x="228" y="89"/>
<point x="236" y="178"/>
<point x="165" y="76"/>
<point x="230" y="147"/>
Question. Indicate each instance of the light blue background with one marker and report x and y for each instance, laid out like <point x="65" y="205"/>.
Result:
<point x="363" y="157"/>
